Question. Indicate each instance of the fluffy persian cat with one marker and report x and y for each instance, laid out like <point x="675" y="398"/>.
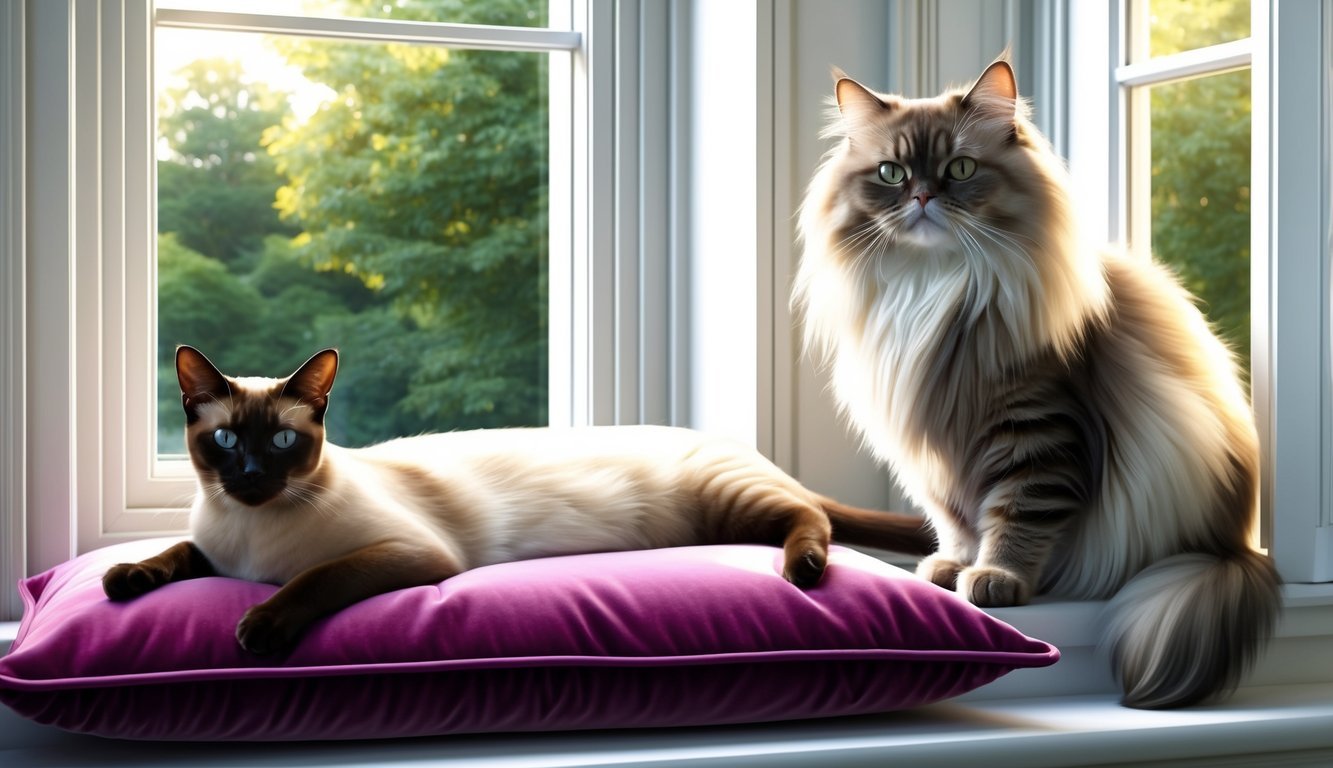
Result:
<point x="1066" y="418"/>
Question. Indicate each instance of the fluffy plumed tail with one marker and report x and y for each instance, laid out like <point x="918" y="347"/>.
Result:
<point x="1185" y="629"/>
<point x="909" y="534"/>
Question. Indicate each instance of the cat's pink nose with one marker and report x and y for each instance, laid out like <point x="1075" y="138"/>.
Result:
<point x="923" y="198"/>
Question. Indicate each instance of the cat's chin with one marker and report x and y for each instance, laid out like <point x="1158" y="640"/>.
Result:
<point x="253" y="497"/>
<point x="926" y="235"/>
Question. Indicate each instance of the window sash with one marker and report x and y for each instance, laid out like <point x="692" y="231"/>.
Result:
<point x="1134" y="81"/>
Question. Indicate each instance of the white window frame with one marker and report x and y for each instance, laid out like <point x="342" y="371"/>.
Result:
<point x="1290" y="256"/>
<point x="82" y="277"/>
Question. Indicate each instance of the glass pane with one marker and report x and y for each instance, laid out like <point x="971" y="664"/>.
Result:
<point x="1172" y="26"/>
<point x="387" y="200"/>
<point x="1201" y="194"/>
<point x="504" y="13"/>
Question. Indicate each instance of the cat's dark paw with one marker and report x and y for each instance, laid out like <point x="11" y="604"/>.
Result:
<point x="991" y="587"/>
<point x="125" y="581"/>
<point x="940" y="570"/>
<point x="805" y="569"/>
<point x="263" y="630"/>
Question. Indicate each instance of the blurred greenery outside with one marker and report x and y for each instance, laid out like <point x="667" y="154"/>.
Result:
<point x="404" y="222"/>
<point x="1200" y="186"/>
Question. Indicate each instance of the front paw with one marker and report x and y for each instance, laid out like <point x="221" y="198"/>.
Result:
<point x="939" y="570"/>
<point x="265" y="630"/>
<point x="991" y="587"/>
<point x="129" y="580"/>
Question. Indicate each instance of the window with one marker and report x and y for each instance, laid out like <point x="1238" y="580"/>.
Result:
<point x="1200" y="127"/>
<point x="1188" y="85"/>
<point x="386" y="198"/>
<point x="395" y="269"/>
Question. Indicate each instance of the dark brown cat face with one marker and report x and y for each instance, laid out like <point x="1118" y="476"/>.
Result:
<point x="252" y="438"/>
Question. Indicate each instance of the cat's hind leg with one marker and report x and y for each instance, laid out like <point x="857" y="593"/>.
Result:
<point x="805" y="549"/>
<point x="773" y="513"/>
<point x="753" y="501"/>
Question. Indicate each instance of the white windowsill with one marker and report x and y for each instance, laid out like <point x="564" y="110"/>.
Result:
<point x="1013" y="722"/>
<point x="1263" y="726"/>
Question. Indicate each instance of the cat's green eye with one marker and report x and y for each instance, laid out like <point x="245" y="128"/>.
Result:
<point x="961" y="168"/>
<point x="285" y="438"/>
<point x="892" y="173"/>
<point x="225" y="438"/>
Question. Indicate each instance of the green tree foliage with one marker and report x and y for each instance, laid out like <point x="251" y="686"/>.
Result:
<point x="404" y="223"/>
<point x="1201" y="166"/>
<point x="197" y="298"/>
<point x="426" y="178"/>
<point x="218" y="174"/>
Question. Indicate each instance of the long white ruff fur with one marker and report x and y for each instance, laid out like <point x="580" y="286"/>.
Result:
<point x="926" y="341"/>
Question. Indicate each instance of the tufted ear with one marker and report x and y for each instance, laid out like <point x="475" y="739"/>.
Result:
<point x="995" y="92"/>
<point x="200" y="381"/>
<point x="857" y="103"/>
<point x="313" y="381"/>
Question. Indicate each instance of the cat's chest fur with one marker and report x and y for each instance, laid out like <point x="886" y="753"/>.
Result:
<point x="948" y="396"/>
<point x="278" y="540"/>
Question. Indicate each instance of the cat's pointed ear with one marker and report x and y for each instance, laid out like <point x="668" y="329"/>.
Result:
<point x="995" y="92"/>
<point x="313" y="381"/>
<point x="201" y="382"/>
<point x="856" y="102"/>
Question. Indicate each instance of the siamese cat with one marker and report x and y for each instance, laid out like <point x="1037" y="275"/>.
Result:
<point x="1067" y="418"/>
<point x="278" y="503"/>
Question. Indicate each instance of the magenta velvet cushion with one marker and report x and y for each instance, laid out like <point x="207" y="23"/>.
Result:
<point x="695" y="635"/>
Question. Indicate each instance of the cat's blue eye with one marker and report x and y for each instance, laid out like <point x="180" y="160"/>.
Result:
<point x="892" y="173"/>
<point x="285" y="438"/>
<point x="961" y="168"/>
<point x="225" y="438"/>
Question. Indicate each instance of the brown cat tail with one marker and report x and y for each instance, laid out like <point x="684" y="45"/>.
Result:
<point x="1185" y="629"/>
<point x="908" y="534"/>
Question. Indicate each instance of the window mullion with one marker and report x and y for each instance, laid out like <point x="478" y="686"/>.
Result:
<point x="628" y="272"/>
<point x="592" y="265"/>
